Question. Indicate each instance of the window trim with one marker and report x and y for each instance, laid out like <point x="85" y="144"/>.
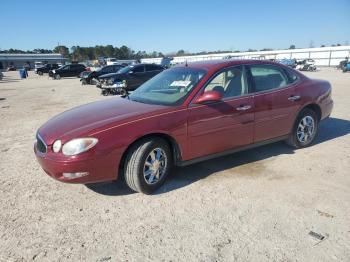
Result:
<point x="249" y="81"/>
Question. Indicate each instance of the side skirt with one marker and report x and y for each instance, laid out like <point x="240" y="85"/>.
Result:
<point x="231" y="151"/>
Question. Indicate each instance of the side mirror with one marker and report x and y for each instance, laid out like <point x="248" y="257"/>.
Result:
<point x="209" y="97"/>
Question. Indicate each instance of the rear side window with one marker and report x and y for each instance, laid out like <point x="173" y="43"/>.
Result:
<point x="153" y="68"/>
<point x="107" y="69"/>
<point x="116" y="68"/>
<point x="267" y="77"/>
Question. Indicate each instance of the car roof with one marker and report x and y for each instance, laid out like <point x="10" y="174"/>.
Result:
<point x="221" y="63"/>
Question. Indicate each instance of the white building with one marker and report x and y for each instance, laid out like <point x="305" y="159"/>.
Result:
<point x="18" y="60"/>
<point x="323" y="56"/>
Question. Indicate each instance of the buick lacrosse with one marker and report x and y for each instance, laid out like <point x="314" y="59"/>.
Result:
<point x="185" y="114"/>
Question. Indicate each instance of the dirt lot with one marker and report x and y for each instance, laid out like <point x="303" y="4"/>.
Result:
<point x="258" y="205"/>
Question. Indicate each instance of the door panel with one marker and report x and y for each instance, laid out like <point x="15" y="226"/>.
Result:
<point x="135" y="80"/>
<point x="214" y="128"/>
<point x="274" y="110"/>
<point x="274" y="113"/>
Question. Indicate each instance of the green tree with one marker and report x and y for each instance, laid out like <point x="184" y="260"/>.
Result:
<point x="181" y="52"/>
<point x="63" y="50"/>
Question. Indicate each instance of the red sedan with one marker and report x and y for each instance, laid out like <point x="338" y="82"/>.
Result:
<point x="186" y="114"/>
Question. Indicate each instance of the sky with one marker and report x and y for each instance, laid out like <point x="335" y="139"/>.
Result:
<point x="168" y="26"/>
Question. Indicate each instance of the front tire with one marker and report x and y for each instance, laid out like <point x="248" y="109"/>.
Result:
<point x="304" y="130"/>
<point x="57" y="77"/>
<point x="147" y="165"/>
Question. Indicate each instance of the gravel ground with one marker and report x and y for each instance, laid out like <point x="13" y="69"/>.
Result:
<point x="257" y="205"/>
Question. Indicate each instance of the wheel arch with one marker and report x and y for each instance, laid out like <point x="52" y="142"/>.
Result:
<point x="174" y="146"/>
<point x="314" y="107"/>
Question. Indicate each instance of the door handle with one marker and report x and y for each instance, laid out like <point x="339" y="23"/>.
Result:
<point x="293" y="98"/>
<point x="243" y="108"/>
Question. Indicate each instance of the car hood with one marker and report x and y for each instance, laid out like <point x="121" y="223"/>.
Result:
<point x="85" y="120"/>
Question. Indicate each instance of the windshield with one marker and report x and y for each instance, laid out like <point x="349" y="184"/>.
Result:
<point x="124" y="70"/>
<point x="63" y="67"/>
<point x="170" y="87"/>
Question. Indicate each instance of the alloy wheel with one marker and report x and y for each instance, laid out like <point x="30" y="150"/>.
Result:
<point x="306" y="130"/>
<point x="155" y="166"/>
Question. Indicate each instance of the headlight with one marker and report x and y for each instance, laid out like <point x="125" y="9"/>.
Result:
<point x="54" y="71"/>
<point x="79" y="145"/>
<point x="120" y="84"/>
<point x="56" y="147"/>
<point x="110" y="81"/>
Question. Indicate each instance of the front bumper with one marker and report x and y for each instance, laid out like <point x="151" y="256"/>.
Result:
<point x="100" y="167"/>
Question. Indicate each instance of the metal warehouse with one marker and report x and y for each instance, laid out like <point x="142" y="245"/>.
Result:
<point x="18" y="60"/>
<point x="323" y="56"/>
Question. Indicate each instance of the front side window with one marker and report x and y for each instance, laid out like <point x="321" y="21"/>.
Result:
<point x="267" y="77"/>
<point x="170" y="87"/>
<point x="230" y="82"/>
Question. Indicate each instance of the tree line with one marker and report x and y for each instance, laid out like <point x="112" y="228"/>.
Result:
<point x="78" y="53"/>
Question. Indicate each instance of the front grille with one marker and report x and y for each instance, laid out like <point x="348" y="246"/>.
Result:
<point x="40" y="144"/>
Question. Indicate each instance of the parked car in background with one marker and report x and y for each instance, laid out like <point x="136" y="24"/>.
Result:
<point x="128" y="78"/>
<point x="87" y="77"/>
<point x="11" y="68"/>
<point x="114" y="61"/>
<point x="45" y="68"/>
<point x="38" y="64"/>
<point x="343" y="63"/>
<point x="306" y="65"/>
<point x="183" y="115"/>
<point x="67" y="70"/>
<point x="346" y="67"/>
<point x="288" y="62"/>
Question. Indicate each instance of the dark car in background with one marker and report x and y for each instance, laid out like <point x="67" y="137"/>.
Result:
<point x="128" y="78"/>
<point x="87" y="77"/>
<point x="45" y="68"/>
<point x="67" y="70"/>
<point x="11" y="68"/>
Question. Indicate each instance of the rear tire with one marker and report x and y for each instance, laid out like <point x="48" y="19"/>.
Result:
<point x="147" y="165"/>
<point x="40" y="73"/>
<point x="304" y="130"/>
